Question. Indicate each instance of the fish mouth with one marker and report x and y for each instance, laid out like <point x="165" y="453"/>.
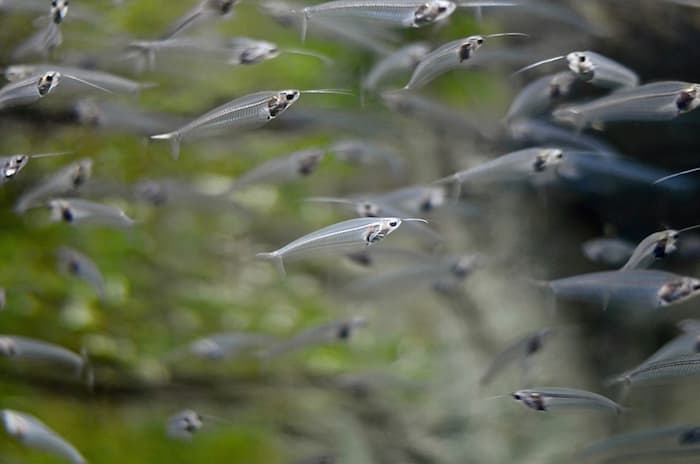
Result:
<point x="581" y="65"/>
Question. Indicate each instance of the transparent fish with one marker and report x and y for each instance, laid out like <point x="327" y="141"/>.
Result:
<point x="515" y="166"/>
<point x="655" y="246"/>
<point x="686" y="344"/>
<point x="664" y="370"/>
<point x="121" y="117"/>
<point x="351" y="234"/>
<point x="612" y="252"/>
<point x="286" y="168"/>
<point x="641" y="290"/>
<point x="11" y="165"/>
<point x="101" y="79"/>
<point x="220" y="346"/>
<point x="541" y="95"/>
<point x="75" y="263"/>
<point x="403" y="59"/>
<point x="367" y="153"/>
<point x="184" y="424"/>
<point x="244" y="50"/>
<point x="660" y="101"/>
<point x="41" y="43"/>
<point x="77" y="211"/>
<point x="520" y="351"/>
<point x="66" y="180"/>
<point x="22" y="348"/>
<point x="554" y="398"/>
<point x="595" y="69"/>
<point x="204" y="11"/>
<point x="28" y="90"/>
<point x="416" y="198"/>
<point x="460" y="52"/>
<point x="33" y="433"/>
<point x="340" y="330"/>
<point x="248" y="112"/>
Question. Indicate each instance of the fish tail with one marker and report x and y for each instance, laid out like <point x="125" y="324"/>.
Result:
<point x="174" y="138"/>
<point x="276" y="259"/>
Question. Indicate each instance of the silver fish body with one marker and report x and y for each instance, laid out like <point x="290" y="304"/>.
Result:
<point x="41" y="43"/>
<point x="22" y="348"/>
<point x="613" y="252"/>
<point x="29" y="90"/>
<point x="541" y="95"/>
<point x="517" y="352"/>
<point x="78" y="211"/>
<point x="103" y="79"/>
<point x="403" y="59"/>
<point x="657" y="245"/>
<point x="340" y="330"/>
<point x="635" y="289"/>
<point x="68" y="179"/>
<point x="287" y="168"/>
<point x="204" y="11"/>
<point x="220" y="346"/>
<point x="554" y="398"/>
<point x="33" y="433"/>
<point x="75" y="263"/>
<point x="664" y="370"/>
<point x="600" y="70"/>
<point x="366" y="153"/>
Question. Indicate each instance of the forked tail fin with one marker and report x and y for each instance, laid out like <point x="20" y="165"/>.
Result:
<point x="174" y="138"/>
<point x="276" y="259"/>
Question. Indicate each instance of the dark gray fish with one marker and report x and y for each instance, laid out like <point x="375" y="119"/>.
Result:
<point x="554" y="398"/>
<point x="77" y="211"/>
<point x="330" y="332"/>
<point x="520" y="351"/>
<point x="77" y="264"/>
<point x="641" y="290"/>
<point x="613" y="252"/>
<point x="541" y="95"/>
<point x="33" y="433"/>
<point x="664" y="370"/>
<point x="66" y="180"/>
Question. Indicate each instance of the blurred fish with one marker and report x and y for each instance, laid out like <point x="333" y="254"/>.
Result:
<point x="663" y="370"/>
<point x="33" y="433"/>
<point x="686" y="344"/>
<point x="244" y="50"/>
<point x="554" y="398"/>
<point x="595" y="69"/>
<point x="403" y="59"/>
<point x="3" y="298"/>
<point x="183" y="425"/>
<point x="541" y="95"/>
<point x="660" y="101"/>
<point x="29" y="90"/>
<point x="99" y="79"/>
<point x="689" y="325"/>
<point x="42" y="42"/>
<point x="520" y="351"/>
<point x="285" y="168"/>
<point x="515" y="166"/>
<point x="204" y="11"/>
<point x="655" y="246"/>
<point x="416" y="199"/>
<point x="450" y="56"/>
<point x="353" y="233"/>
<point x="118" y="117"/>
<point x="340" y="330"/>
<point x="612" y="252"/>
<point x="246" y="112"/>
<point x="365" y="153"/>
<point x="637" y="440"/>
<point x="22" y="348"/>
<point x="77" y="211"/>
<point x="641" y="290"/>
<point x="68" y="179"/>
<point x="11" y="165"/>
<point x="73" y="262"/>
<point x="220" y="346"/>
<point x="179" y="194"/>
<point x="540" y="132"/>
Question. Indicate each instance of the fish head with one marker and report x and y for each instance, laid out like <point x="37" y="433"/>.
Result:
<point x="280" y="102"/>
<point x="191" y="421"/>
<point x="152" y="191"/>
<point x="47" y="82"/>
<point x="433" y="199"/>
<point x="59" y="10"/>
<point x="61" y="211"/>
<point x="222" y="7"/>
<point x="432" y="12"/>
<point x="89" y="113"/>
<point x="665" y="243"/>
<point x="259" y="51"/>
<point x="581" y="64"/>
<point x="464" y="266"/>
<point x="8" y="347"/>
<point x="13" y="165"/>
<point x="309" y="161"/>
<point x="368" y="209"/>
<point x="81" y="173"/>
<point x="546" y="158"/>
<point x="17" y="72"/>
<point x="687" y="99"/>
<point x="690" y="436"/>
<point x="378" y="230"/>
<point x="530" y="399"/>
<point x="207" y="348"/>
<point x="469" y="47"/>
<point x="15" y="425"/>
<point x="678" y="290"/>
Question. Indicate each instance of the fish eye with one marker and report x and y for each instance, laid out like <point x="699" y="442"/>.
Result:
<point x="480" y="41"/>
<point x="393" y="223"/>
<point x="290" y="96"/>
<point x="442" y="9"/>
<point x="517" y="396"/>
<point x="582" y="59"/>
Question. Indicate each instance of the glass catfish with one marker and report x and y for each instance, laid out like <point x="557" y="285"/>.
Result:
<point x="351" y="234"/>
